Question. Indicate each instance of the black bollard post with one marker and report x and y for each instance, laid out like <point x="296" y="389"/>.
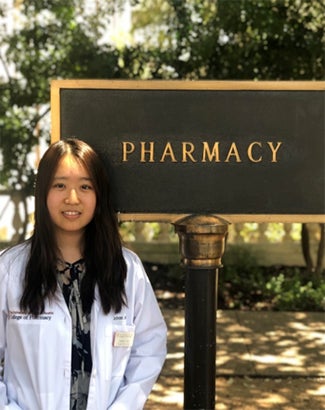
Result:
<point x="202" y="243"/>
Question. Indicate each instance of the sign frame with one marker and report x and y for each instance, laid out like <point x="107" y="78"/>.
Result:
<point x="58" y="85"/>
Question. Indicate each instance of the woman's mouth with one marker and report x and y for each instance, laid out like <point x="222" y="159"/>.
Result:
<point x="71" y="214"/>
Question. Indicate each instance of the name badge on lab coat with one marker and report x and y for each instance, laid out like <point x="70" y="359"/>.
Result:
<point x="123" y="339"/>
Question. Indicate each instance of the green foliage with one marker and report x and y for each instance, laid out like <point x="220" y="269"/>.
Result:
<point x="277" y="39"/>
<point x="245" y="285"/>
<point x="242" y="39"/>
<point x="292" y="293"/>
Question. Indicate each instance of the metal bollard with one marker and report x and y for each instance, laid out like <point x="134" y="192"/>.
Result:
<point x="202" y="244"/>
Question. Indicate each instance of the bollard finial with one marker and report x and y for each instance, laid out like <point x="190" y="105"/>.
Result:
<point x="202" y="240"/>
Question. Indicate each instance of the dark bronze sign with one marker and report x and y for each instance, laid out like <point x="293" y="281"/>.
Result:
<point x="228" y="148"/>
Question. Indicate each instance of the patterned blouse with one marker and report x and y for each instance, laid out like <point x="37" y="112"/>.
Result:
<point x="70" y="276"/>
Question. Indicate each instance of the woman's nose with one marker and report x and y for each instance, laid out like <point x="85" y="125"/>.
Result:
<point x="72" y="198"/>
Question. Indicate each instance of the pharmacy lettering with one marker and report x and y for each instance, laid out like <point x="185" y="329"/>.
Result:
<point x="147" y="151"/>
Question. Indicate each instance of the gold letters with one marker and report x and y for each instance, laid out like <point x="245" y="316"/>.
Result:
<point x="145" y="151"/>
<point x="168" y="152"/>
<point x="274" y="150"/>
<point x="127" y="148"/>
<point x="212" y="152"/>
<point x="188" y="148"/>
<point x="250" y="152"/>
<point x="233" y="152"/>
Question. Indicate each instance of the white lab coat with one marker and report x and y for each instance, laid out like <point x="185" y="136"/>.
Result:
<point x="35" y="354"/>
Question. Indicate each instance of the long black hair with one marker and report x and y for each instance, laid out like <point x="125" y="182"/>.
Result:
<point x="105" y="264"/>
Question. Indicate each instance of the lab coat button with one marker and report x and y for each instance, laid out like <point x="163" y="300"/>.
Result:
<point x="66" y="373"/>
<point x="94" y="373"/>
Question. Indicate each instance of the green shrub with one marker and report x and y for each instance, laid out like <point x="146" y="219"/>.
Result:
<point x="291" y="293"/>
<point x="245" y="285"/>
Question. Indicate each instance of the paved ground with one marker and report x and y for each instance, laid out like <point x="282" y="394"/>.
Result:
<point x="265" y="360"/>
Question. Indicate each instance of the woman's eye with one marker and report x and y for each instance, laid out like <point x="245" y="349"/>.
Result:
<point x="58" y="185"/>
<point x="86" y="187"/>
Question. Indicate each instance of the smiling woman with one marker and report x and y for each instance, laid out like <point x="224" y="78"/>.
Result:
<point x="101" y="312"/>
<point x="71" y="203"/>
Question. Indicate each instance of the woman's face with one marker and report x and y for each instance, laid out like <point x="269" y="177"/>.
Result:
<point x="71" y="200"/>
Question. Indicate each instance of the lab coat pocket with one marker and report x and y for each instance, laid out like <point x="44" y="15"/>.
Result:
<point x="123" y="336"/>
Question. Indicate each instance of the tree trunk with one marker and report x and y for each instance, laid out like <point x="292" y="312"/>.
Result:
<point x="313" y="270"/>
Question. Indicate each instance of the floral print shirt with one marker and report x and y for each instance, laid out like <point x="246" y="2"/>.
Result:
<point x="70" y="276"/>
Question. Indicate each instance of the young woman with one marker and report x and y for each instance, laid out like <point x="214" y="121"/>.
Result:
<point x="80" y="327"/>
